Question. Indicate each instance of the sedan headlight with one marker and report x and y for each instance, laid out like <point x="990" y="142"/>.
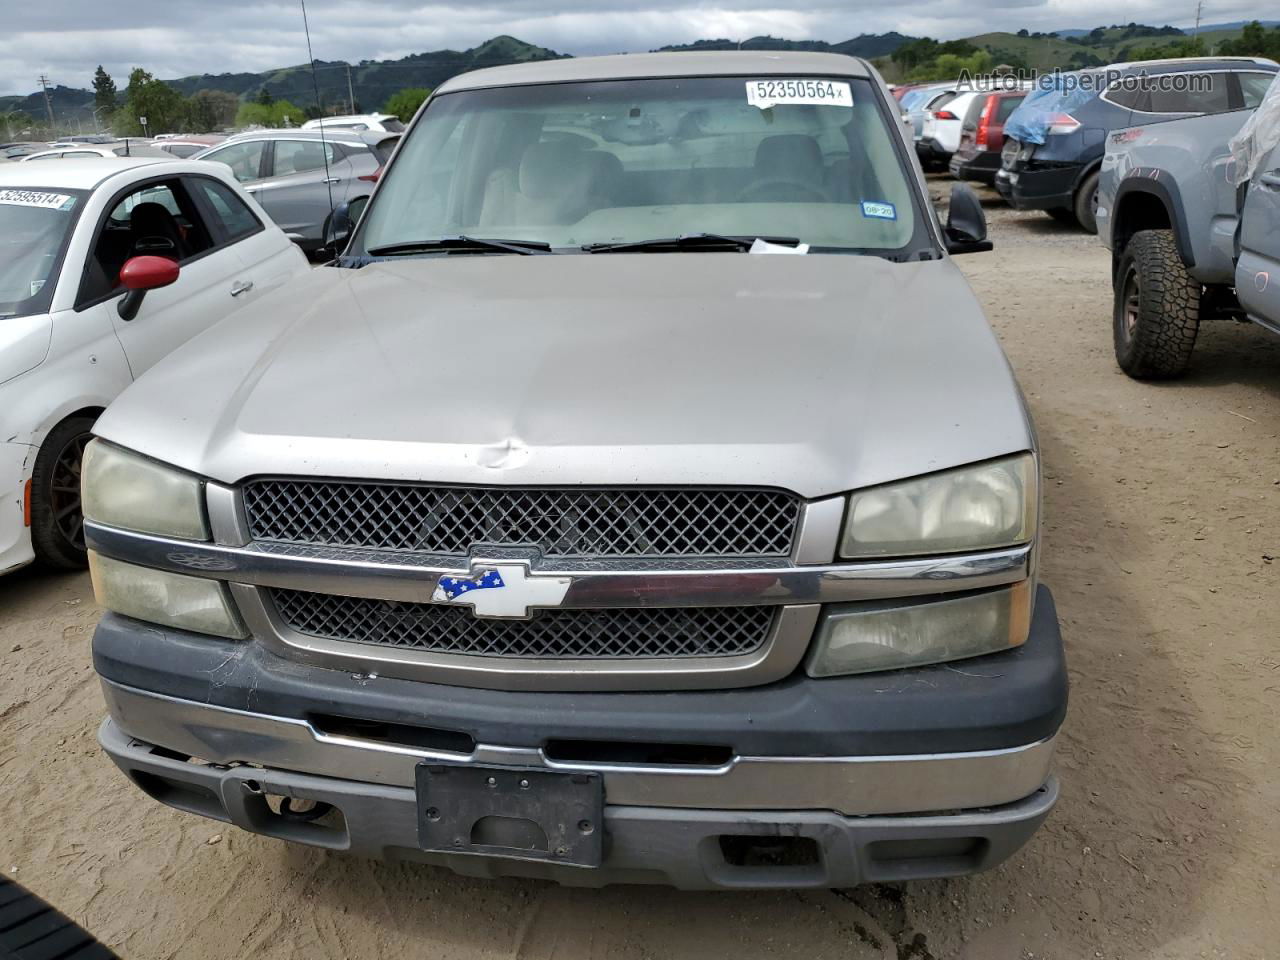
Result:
<point x="122" y="489"/>
<point x="862" y="637"/>
<point x="982" y="507"/>
<point x="188" y="603"/>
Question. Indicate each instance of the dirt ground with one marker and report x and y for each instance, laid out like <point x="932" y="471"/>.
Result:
<point x="1162" y="523"/>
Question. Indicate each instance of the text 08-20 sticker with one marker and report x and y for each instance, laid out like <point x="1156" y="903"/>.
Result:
<point x="767" y="93"/>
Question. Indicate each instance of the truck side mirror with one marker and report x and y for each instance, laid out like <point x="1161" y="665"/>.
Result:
<point x="966" y="229"/>
<point x="342" y="221"/>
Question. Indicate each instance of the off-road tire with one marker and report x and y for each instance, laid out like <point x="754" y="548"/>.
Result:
<point x="30" y="929"/>
<point x="1157" y="308"/>
<point x="57" y="536"/>
<point x="1086" y="202"/>
<point x="1064" y="215"/>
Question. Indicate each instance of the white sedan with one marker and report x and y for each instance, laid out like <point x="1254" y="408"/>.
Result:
<point x="106" y="265"/>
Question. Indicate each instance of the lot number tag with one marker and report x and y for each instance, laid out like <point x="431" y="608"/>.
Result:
<point x="766" y="93"/>
<point x="37" y="198"/>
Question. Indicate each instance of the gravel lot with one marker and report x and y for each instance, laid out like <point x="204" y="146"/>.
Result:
<point x="1161" y="525"/>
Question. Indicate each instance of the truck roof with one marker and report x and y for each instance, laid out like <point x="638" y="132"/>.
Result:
<point x="634" y="66"/>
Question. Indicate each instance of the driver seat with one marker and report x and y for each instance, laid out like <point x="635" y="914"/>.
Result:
<point x="791" y="158"/>
<point x="155" y="233"/>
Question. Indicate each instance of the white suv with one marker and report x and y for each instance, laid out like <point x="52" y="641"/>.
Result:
<point x="359" y="122"/>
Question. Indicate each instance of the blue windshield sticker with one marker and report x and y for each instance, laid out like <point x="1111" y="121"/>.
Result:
<point x="879" y="211"/>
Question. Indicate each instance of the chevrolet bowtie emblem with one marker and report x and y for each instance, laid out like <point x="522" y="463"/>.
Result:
<point x="501" y="590"/>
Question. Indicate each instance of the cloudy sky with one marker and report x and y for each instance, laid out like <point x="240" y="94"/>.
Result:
<point x="66" y="39"/>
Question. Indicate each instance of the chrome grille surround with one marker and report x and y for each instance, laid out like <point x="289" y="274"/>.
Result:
<point x="560" y="634"/>
<point x="793" y="587"/>
<point x="560" y="523"/>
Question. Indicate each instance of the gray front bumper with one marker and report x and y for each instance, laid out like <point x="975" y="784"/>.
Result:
<point x="669" y="845"/>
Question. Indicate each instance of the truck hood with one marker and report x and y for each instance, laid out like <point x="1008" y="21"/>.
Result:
<point x="816" y="373"/>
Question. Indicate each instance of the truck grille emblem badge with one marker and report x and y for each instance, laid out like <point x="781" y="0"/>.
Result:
<point x="501" y="590"/>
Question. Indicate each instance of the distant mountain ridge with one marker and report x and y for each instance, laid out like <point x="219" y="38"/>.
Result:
<point x="373" y="81"/>
<point x="869" y="45"/>
<point x="1204" y="28"/>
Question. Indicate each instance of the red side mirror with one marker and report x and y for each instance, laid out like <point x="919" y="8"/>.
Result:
<point x="148" y="273"/>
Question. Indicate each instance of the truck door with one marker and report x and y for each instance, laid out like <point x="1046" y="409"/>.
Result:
<point x="1258" y="269"/>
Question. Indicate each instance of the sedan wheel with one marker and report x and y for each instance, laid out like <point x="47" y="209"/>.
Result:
<point x="57" y="520"/>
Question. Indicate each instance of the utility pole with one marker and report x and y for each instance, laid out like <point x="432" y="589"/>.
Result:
<point x="48" y="105"/>
<point x="1199" y="11"/>
<point x="351" y="97"/>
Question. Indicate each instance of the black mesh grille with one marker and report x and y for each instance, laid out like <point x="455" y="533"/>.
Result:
<point x="578" y="523"/>
<point x="623" y="633"/>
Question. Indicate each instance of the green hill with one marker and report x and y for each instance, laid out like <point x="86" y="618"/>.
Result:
<point x="373" y="81"/>
<point x="869" y="45"/>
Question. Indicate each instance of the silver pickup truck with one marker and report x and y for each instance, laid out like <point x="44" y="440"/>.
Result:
<point x="1192" y="235"/>
<point x="641" y="497"/>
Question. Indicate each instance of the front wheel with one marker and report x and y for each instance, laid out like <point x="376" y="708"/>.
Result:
<point x="1157" y="308"/>
<point x="57" y="523"/>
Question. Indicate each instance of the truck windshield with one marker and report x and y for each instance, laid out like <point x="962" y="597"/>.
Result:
<point x="34" y="226"/>
<point x="577" y="165"/>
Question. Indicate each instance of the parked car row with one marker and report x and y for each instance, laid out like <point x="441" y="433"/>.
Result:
<point x="300" y="175"/>
<point x="1042" y="147"/>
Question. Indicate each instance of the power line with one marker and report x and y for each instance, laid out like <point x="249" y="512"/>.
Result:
<point x="324" y="149"/>
<point x="48" y="105"/>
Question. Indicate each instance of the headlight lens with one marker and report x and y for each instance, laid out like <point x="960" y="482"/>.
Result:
<point x="122" y="489"/>
<point x="188" y="603"/>
<point x="981" y="507"/>
<point x="860" y="638"/>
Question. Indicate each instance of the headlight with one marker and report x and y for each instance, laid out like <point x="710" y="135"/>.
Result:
<point x="122" y="489"/>
<point x="188" y="603"/>
<point x="981" y="507"/>
<point x="862" y="637"/>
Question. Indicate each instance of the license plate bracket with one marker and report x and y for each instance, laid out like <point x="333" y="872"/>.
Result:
<point x="512" y="812"/>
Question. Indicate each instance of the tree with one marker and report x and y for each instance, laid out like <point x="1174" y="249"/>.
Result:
<point x="1254" y="41"/>
<point x="209" y="110"/>
<point x="163" y="106"/>
<point x="264" y="97"/>
<point x="104" y="91"/>
<point x="279" y="113"/>
<point x="13" y="121"/>
<point x="405" y="103"/>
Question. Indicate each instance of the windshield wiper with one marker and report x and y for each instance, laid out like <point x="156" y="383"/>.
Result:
<point x="460" y="242"/>
<point x="688" y="241"/>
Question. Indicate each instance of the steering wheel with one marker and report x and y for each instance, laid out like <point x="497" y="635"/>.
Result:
<point x="798" y="191"/>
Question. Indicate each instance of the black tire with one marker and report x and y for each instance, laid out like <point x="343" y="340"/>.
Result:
<point x="1086" y="203"/>
<point x="57" y="525"/>
<point x="1157" y="308"/>
<point x="1064" y="215"/>
<point x="30" y="929"/>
